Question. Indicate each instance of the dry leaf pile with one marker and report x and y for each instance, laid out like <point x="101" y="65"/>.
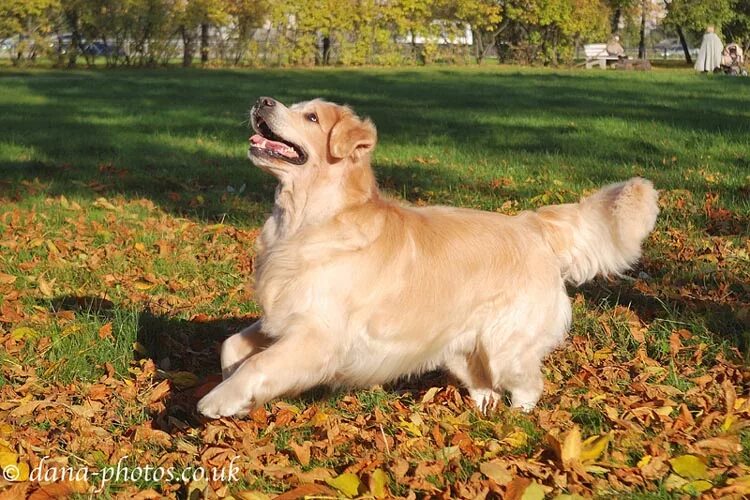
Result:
<point x="646" y="396"/>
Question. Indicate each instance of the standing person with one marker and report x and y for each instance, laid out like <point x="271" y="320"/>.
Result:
<point x="709" y="56"/>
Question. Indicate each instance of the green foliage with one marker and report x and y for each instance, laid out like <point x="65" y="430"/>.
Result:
<point x="28" y="21"/>
<point x="329" y="32"/>
<point x="696" y="15"/>
<point x="737" y="29"/>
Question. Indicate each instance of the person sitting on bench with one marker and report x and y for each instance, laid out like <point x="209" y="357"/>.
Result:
<point x="614" y="48"/>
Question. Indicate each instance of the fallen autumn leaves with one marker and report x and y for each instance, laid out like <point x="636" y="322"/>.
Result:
<point x="635" y="402"/>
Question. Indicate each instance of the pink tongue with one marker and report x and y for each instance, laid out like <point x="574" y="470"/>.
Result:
<point x="281" y="148"/>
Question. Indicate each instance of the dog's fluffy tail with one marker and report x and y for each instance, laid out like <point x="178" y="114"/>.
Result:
<point x="602" y="234"/>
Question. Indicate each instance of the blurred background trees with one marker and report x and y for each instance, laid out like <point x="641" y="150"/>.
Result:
<point x="349" y="32"/>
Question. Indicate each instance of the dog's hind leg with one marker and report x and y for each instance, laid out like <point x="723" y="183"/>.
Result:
<point x="240" y="346"/>
<point x="516" y="360"/>
<point x="471" y="370"/>
<point x="526" y="386"/>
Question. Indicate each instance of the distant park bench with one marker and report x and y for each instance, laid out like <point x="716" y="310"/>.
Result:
<point x="597" y="53"/>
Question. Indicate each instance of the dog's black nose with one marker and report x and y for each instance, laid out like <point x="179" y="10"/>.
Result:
<point x="267" y="102"/>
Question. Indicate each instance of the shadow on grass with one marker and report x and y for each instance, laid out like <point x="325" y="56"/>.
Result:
<point x="178" y="345"/>
<point x="725" y="322"/>
<point x="173" y="135"/>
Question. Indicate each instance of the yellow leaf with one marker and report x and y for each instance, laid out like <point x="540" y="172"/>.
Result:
<point x="104" y="203"/>
<point x="17" y="472"/>
<point x="319" y="419"/>
<point x="140" y="247"/>
<point x="533" y="491"/>
<point x="6" y="430"/>
<point x="566" y="496"/>
<point x="663" y="411"/>
<point x="378" y="482"/>
<point x="611" y="412"/>
<point x="140" y="349"/>
<point x="410" y="427"/>
<point x="45" y="287"/>
<point x="516" y="439"/>
<point x="52" y="247"/>
<point x="644" y="461"/>
<point x="689" y="466"/>
<point x="141" y="284"/>
<point x="286" y="406"/>
<point x="571" y="446"/>
<point x="593" y="447"/>
<point x="197" y="488"/>
<point x="728" y="422"/>
<point x="449" y="453"/>
<point x="8" y="458"/>
<point x="347" y="483"/>
<point x="674" y="482"/>
<point x="602" y="354"/>
<point x="496" y="471"/>
<point x="22" y="333"/>
<point x="70" y="330"/>
<point x="742" y="484"/>
<point x="696" y="487"/>
<point x="430" y="394"/>
<point x="183" y="379"/>
<point x="595" y="469"/>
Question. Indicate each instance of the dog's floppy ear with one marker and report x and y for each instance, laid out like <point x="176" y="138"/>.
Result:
<point x="351" y="136"/>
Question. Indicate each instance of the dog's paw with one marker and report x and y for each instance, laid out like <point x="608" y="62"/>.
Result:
<point x="485" y="399"/>
<point x="224" y="401"/>
<point x="526" y="401"/>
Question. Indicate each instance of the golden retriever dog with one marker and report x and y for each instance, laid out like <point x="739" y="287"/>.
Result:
<point x="358" y="290"/>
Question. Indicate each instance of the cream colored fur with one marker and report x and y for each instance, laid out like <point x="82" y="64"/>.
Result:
<point x="358" y="290"/>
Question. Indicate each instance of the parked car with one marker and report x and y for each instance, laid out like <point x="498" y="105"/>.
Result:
<point x="671" y="47"/>
<point x="60" y="44"/>
<point x="102" y="49"/>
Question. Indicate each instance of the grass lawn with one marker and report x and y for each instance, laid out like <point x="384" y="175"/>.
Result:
<point x="128" y="212"/>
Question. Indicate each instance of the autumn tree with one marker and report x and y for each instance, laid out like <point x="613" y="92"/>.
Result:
<point x="694" y="16"/>
<point x="618" y="8"/>
<point x="550" y="29"/>
<point x="486" y="21"/>
<point x="737" y="29"/>
<point x="30" y="21"/>
<point x="194" y="18"/>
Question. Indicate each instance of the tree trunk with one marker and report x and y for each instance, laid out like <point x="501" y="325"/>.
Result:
<point x="642" y="43"/>
<point x="478" y="50"/>
<point x="616" y="16"/>
<point x="414" y="50"/>
<point x="326" y="50"/>
<point x="204" y="43"/>
<point x="187" y="48"/>
<point x="684" y="44"/>
<point x="75" y="37"/>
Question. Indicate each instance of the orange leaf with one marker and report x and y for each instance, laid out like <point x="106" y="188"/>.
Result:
<point x="158" y="392"/>
<point x="105" y="331"/>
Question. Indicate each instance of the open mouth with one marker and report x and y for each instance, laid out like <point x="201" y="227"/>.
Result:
<point x="267" y="143"/>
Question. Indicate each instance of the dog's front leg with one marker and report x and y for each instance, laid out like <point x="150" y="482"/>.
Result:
<point x="293" y="364"/>
<point x="240" y="346"/>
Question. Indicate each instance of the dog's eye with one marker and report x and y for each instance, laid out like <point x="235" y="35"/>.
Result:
<point x="312" y="117"/>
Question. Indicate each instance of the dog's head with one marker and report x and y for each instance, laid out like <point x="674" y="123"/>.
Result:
<point x="310" y="134"/>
